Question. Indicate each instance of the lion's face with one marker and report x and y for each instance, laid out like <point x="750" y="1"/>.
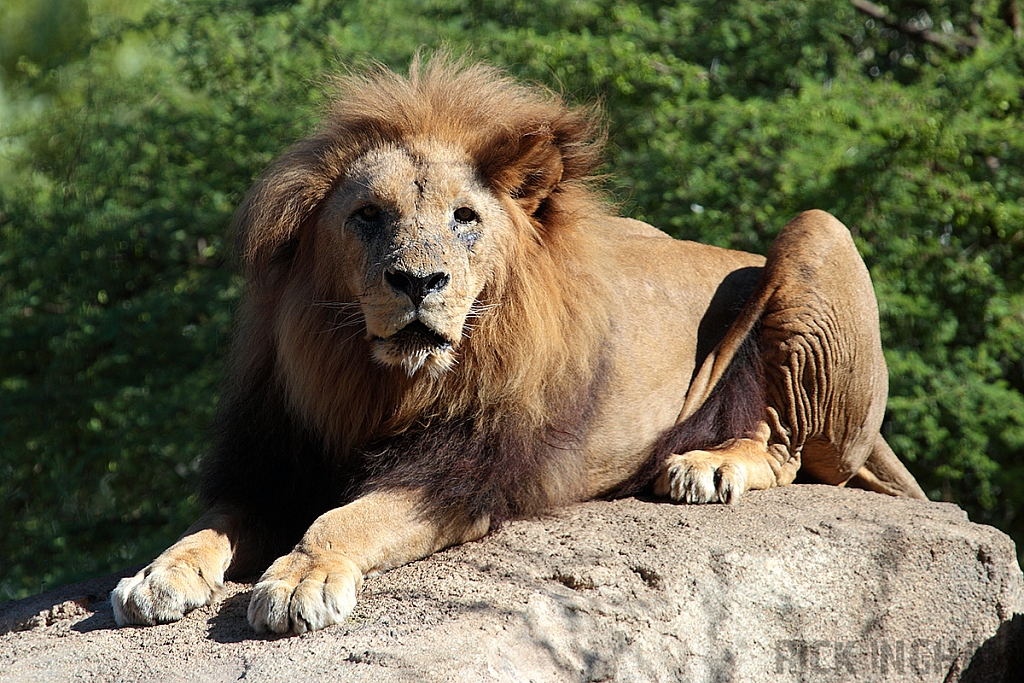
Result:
<point x="412" y="234"/>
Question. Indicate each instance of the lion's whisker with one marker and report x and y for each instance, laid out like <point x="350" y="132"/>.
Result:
<point x="342" y="326"/>
<point x="336" y="305"/>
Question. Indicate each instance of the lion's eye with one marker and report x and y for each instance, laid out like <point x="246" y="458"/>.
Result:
<point x="465" y="215"/>
<point x="370" y="212"/>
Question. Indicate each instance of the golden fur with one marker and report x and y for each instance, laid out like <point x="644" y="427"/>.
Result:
<point x="523" y="354"/>
<point x="446" y="327"/>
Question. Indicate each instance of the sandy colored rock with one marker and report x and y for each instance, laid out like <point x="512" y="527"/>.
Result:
<point x="804" y="583"/>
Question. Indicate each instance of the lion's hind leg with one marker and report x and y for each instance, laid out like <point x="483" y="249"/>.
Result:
<point x="811" y="332"/>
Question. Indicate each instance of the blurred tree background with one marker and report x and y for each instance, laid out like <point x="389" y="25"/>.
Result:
<point x="130" y="129"/>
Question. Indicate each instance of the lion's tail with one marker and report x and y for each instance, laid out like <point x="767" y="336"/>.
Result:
<point x="883" y="472"/>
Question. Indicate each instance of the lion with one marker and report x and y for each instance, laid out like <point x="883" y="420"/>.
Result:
<point x="445" y="327"/>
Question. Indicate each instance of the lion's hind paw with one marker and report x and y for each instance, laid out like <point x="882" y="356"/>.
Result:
<point x="719" y="475"/>
<point x="299" y="593"/>
<point x="701" y="477"/>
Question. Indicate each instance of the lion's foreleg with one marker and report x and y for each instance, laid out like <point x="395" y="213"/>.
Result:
<point x="185" y="576"/>
<point x="316" y="584"/>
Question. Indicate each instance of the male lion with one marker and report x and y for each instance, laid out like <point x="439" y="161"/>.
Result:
<point x="444" y="328"/>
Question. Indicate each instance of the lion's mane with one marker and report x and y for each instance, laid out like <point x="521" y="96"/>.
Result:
<point x="306" y="405"/>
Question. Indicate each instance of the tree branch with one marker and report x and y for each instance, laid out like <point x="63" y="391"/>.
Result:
<point x="951" y="43"/>
<point x="1012" y="14"/>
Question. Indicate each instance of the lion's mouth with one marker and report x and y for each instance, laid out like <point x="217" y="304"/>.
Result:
<point x="416" y="336"/>
<point x="416" y="346"/>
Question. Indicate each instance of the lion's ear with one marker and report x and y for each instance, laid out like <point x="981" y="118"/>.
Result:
<point x="526" y="167"/>
<point x="268" y="222"/>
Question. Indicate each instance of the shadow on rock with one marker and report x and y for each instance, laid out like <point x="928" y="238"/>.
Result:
<point x="1001" y="657"/>
<point x="229" y="624"/>
<point x="90" y="599"/>
<point x="101" y="619"/>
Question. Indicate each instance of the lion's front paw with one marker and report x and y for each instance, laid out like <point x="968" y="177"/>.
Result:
<point x="162" y="592"/>
<point x="300" y="593"/>
<point x="185" y="576"/>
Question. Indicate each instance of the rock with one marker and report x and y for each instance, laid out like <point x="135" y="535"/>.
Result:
<point x="804" y="583"/>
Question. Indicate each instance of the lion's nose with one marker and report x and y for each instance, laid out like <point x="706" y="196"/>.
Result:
<point x="416" y="287"/>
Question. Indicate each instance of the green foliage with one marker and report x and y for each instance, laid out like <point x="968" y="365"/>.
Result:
<point x="126" y="146"/>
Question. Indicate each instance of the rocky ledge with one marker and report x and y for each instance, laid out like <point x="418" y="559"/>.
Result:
<point x="804" y="583"/>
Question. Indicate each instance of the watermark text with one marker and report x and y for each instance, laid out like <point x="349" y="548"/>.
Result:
<point x="907" y="657"/>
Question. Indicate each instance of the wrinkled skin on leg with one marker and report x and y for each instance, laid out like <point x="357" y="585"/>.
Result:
<point x="816" y="321"/>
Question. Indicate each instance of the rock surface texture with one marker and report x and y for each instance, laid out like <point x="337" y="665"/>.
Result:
<point x="804" y="583"/>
